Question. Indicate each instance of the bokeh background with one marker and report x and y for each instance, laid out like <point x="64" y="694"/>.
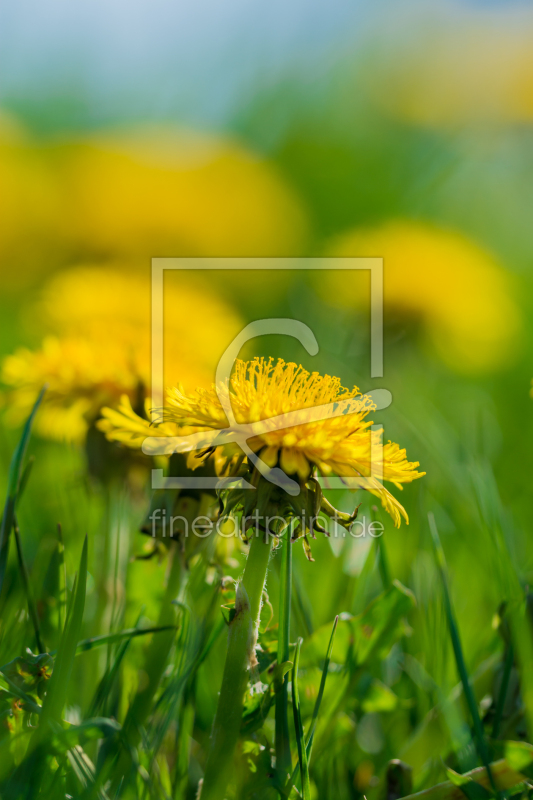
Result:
<point x="133" y="130"/>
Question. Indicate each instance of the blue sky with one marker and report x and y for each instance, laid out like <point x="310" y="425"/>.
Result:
<point x="198" y="60"/>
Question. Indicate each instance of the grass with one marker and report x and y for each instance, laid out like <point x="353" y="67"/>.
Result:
<point x="413" y="646"/>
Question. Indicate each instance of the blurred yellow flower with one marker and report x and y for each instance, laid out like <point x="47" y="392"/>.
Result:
<point x="457" y="290"/>
<point x="259" y="392"/>
<point x="135" y="194"/>
<point x="457" y="65"/>
<point x="30" y="208"/>
<point x="99" y="346"/>
<point x="169" y="192"/>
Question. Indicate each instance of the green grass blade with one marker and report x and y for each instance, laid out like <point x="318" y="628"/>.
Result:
<point x="57" y="690"/>
<point x="13" y="487"/>
<point x="62" y="582"/>
<point x="480" y="742"/>
<point x="106" y="683"/>
<point x="169" y="702"/>
<point x="183" y="745"/>
<point x="27" y="587"/>
<point x="22" y="563"/>
<point x="522" y="636"/>
<point x="383" y="561"/>
<point x="212" y="638"/>
<point x="51" y="712"/>
<point x="24" y="478"/>
<point x="156" y="658"/>
<point x="282" y="736"/>
<point x="298" y="727"/>
<point x="507" y="667"/>
<point x="119" y="636"/>
<point x="314" y="719"/>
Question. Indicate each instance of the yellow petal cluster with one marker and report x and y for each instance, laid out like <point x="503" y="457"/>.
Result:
<point x="260" y="391"/>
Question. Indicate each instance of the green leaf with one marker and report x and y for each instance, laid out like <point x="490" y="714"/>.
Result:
<point x="57" y="691"/>
<point x="16" y="691"/>
<point x="519" y="755"/>
<point x="106" y="682"/>
<point x="280" y="670"/>
<point x="257" y="703"/>
<point x="325" y="669"/>
<point x="32" y="611"/>
<point x="29" y="673"/>
<point x="230" y="499"/>
<point x="500" y="704"/>
<point x="286" y="790"/>
<point x="481" y="744"/>
<point x="13" y="488"/>
<point x="62" y="579"/>
<point x="298" y="727"/>
<point x="472" y="790"/>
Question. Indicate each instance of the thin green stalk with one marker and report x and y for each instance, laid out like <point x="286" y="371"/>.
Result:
<point x="282" y="736"/>
<point x="27" y="587"/>
<point x="106" y="682"/>
<point x="118" y="637"/>
<point x="481" y="745"/>
<point x="300" y="738"/>
<point x="508" y="665"/>
<point x="62" y="570"/>
<point x="241" y="643"/>
<point x="13" y="488"/>
<point x="183" y="746"/>
<point x="522" y="637"/>
<point x="314" y="719"/>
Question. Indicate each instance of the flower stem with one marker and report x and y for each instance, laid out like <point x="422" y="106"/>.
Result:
<point x="282" y="740"/>
<point x="242" y="638"/>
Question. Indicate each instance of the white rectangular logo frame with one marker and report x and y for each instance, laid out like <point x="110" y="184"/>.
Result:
<point x="159" y="265"/>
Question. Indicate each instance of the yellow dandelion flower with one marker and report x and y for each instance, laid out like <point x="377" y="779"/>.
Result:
<point x="461" y="295"/>
<point x="30" y="208"/>
<point x="172" y="192"/>
<point x="260" y="392"/>
<point x="100" y="346"/>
